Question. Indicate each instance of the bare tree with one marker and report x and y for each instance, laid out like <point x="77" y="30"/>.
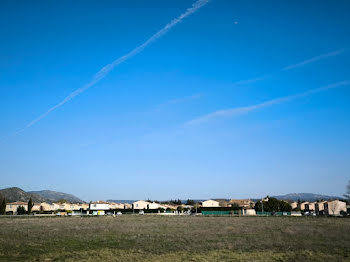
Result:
<point x="347" y="195"/>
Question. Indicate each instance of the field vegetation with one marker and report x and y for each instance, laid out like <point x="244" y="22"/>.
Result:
<point x="174" y="238"/>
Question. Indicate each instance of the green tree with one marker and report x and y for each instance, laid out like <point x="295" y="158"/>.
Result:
<point x="30" y="206"/>
<point x="347" y="195"/>
<point x="3" y="207"/>
<point x="21" y="210"/>
<point x="235" y="206"/>
<point x="190" y="202"/>
<point x="273" y="205"/>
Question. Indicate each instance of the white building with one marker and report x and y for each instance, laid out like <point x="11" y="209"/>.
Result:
<point x="155" y="205"/>
<point x="99" y="207"/>
<point x="210" y="203"/>
<point x="248" y="211"/>
<point x="141" y="204"/>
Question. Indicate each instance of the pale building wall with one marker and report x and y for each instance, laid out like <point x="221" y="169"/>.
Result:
<point x="336" y="207"/>
<point x="12" y="207"/>
<point x="294" y="205"/>
<point x="99" y="206"/>
<point x="249" y="212"/>
<point x="141" y="204"/>
<point x="210" y="203"/>
<point x="156" y="206"/>
<point x="302" y="205"/>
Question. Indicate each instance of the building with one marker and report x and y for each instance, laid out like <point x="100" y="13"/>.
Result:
<point x="319" y="207"/>
<point x="12" y="207"/>
<point x="155" y="205"/>
<point x="242" y="202"/>
<point x="210" y="203"/>
<point x="141" y="204"/>
<point x="223" y="202"/>
<point x="294" y="205"/>
<point x="99" y="207"/>
<point x="335" y="207"/>
<point x="303" y="206"/>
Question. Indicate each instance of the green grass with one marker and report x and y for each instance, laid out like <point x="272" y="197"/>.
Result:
<point x="178" y="238"/>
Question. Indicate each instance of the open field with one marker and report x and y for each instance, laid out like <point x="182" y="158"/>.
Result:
<point x="177" y="238"/>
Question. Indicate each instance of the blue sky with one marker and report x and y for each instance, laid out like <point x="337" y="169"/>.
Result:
<point x="239" y="99"/>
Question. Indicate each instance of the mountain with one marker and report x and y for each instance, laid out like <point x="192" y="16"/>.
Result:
<point x="14" y="194"/>
<point x="305" y="197"/>
<point x="53" y="196"/>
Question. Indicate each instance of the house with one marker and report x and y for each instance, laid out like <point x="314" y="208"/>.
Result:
<point x="141" y="204"/>
<point x="84" y="206"/>
<point x="294" y="205"/>
<point x="63" y="206"/>
<point x="127" y="206"/>
<point x="210" y="203"/>
<point x="222" y="202"/>
<point x="170" y="206"/>
<point x="46" y="207"/>
<point x="12" y="207"/>
<point x="99" y="207"/>
<point x="118" y="206"/>
<point x="310" y="206"/>
<point x="36" y="208"/>
<point x="335" y="207"/>
<point x="303" y="206"/>
<point x="155" y="205"/>
<point x="319" y="207"/>
<point x="242" y="202"/>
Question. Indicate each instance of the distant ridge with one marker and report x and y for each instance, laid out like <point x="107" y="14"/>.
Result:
<point x="53" y="196"/>
<point x="306" y="197"/>
<point x="14" y="194"/>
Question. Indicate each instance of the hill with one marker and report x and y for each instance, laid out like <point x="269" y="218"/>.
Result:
<point x="306" y="197"/>
<point x="13" y="194"/>
<point x="53" y="196"/>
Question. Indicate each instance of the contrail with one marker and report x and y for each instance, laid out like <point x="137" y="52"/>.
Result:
<point x="106" y="69"/>
<point x="313" y="59"/>
<point x="246" y="109"/>
<point x="287" y="68"/>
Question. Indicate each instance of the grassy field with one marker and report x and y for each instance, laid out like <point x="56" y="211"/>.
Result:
<point x="180" y="238"/>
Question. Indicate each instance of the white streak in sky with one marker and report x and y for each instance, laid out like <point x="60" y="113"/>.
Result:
<point x="178" y="101"/>
<point x="287" y="68"/>
<point x="106" y="69"/>
<point x="314" y="59"/>
<point x="246" y="109"/>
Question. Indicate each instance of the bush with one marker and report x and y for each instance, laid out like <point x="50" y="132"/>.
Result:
<point x="21" y="210"/>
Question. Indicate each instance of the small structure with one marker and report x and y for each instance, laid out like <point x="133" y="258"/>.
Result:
<point x="248" y="211"/>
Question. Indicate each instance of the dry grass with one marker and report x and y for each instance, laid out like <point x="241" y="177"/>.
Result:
<point x="154" y="238"/>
